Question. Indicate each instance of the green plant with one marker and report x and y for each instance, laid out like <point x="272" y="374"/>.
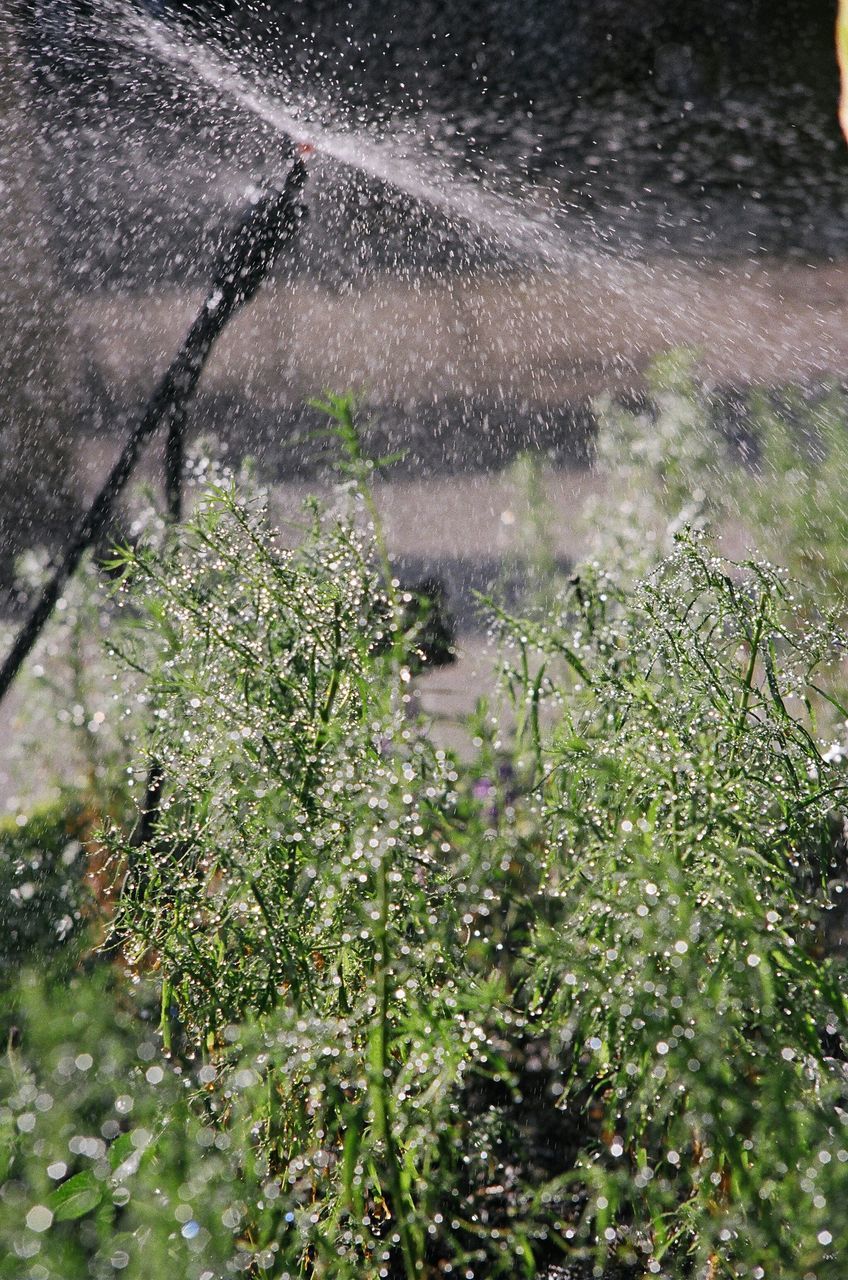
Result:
<point x="104" y="1167"/>
<point x="43" y="862"/>
<point x="308" y="876"/>
<point x="681" y="978"/>
<point x="667" y="466"/>
<point x="382" y="1014"/>
<point x="662" y="468"/>
<point x="532" y="556"/>
<point x="796" y="501"/>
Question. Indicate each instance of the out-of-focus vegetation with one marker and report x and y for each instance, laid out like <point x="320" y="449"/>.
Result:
<point x="44" y="877"/>
<point x="773" y="487"/>
<point x="364" y="1009"/>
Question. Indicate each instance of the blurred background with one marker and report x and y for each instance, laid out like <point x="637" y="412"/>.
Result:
<point x="687" y="156"/>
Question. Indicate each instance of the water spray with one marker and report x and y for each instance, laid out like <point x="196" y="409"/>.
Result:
<point x="269" y="225"/>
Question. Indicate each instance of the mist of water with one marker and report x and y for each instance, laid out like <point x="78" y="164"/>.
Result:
<point x="404" y="165"/>
<point x="617" y="296"/>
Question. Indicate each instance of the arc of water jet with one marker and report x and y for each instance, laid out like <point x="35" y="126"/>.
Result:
<point x="487" y="213"/>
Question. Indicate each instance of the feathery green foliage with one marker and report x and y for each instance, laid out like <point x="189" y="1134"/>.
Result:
<point x="390" y="1014"/>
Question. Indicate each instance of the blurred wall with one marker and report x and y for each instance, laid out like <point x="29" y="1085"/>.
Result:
<point x="583" y="45"/>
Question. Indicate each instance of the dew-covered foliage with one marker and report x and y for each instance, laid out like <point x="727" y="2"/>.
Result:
<point x="106" y="1167"/>
<point x="317" y="889"/>
<point x="365" y="1008"/>
<point x="690" y="825"/>
<point x="763" y="470"/>
<point x="796" y="503"/>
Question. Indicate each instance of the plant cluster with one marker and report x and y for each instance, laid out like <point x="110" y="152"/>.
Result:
<point x="777" y="489"/>
<point x="689" y="822"/>
<point x="367" y="1010"/>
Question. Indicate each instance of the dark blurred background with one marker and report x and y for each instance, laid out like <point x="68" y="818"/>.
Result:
<point x="659" y="132"/>
<point x="708" y="127"/>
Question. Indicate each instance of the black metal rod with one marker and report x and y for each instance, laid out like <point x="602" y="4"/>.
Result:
<point x="248" y="257"/>
<point x="174" y="460"/>
<point x="174" y="389"/>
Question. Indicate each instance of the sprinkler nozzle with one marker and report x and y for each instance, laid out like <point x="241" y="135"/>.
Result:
<point x="304" y="149"/>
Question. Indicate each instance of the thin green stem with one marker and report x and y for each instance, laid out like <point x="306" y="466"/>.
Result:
<point x="380" y="1073"/>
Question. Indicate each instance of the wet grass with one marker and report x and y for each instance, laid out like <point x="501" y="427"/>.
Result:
<point x="366" y="1010"/>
